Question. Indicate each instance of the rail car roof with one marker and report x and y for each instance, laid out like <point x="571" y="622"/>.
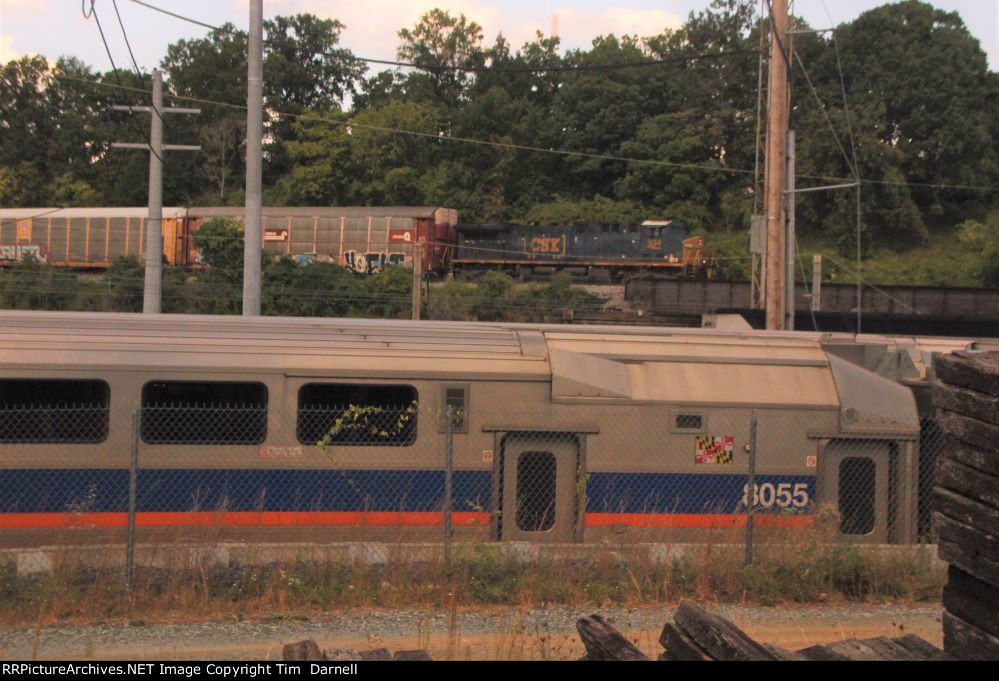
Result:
<point x="125" y="212"/>
<point x="324" y="211"/>
<point x="586" y="364"/>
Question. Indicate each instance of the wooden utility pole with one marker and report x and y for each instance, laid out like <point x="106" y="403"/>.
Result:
<point x="776" y="160"/>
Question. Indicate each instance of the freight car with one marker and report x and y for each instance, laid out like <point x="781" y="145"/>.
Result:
<point x="243" y="427"/>
<point x="662" y="247"/>
<point x="364" y="239"/>
<point x="87" y="237"/>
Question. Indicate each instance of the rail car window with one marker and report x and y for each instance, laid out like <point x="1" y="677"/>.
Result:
<point x="203" y="412"/>
<point x="536" y="491"/>
<point x="856" y="495"/>
<point x="357" y="414"/>
<point x="54" y="411"/>
<point x="688" y="422"/>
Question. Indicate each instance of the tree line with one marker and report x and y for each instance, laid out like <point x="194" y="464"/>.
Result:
<point x="672" y="135"/>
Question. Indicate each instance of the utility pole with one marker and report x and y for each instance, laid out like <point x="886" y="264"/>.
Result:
<point x="153" y="289"/>
<point x="816" y="282"/>
<point x="789" y="235"/>
<point x="252" y="229"/>
<point x="417" y="279"/>
<point x="777" y="121"/>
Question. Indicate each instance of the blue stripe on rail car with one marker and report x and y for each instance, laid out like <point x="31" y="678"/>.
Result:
<point x="106" y="490"/>
<point x="695" y="493"/>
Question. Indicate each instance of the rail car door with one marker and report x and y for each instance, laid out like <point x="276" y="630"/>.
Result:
<point x="539" y="472"/>
<point x="853" y="475"/>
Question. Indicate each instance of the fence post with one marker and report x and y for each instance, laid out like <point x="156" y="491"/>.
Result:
<point x="751" y="489"/>
<point x="133" y="473"/>
<point x="448" y="487"/>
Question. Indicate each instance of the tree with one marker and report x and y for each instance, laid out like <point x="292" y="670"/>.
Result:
<point x="220" y="244"/>
<point x="936" y="97"/>
<point x="443" y="46"/>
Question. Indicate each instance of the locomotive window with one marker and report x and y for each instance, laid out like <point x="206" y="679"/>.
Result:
<point x="686" y="422"/>
<point x="54" y="411"/>
<point x="357" y="414"/>
<point x="203" y="412"/>
<point x="856" y="495"/>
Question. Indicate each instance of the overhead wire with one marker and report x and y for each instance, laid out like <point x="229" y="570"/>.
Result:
<point x="114" y="67"/>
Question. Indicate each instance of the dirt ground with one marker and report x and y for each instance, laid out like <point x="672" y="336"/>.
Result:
<point x="495" y="634"/>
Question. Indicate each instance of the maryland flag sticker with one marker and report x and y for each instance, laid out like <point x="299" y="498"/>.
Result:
<point x="708" y="449"/>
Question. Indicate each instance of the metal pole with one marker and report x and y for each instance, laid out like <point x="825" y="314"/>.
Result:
<point x="817" y="282"/>
<point x="133" y="485"/>
<point x="417" y="279"/>
<point x="153" y="289"/>
<point x="860" y="291"/>
<point x="751" y="489"/>
<point x="448" y="487"/>
<point x="776" y="141"/>
<point x="252" y="234"/>
<point x="789" y="238"/>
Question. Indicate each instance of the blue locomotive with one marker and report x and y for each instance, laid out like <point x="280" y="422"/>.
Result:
<point x="613" y="250"/>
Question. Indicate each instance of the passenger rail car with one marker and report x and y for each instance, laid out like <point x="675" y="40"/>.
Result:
<point x="580" y="435"/>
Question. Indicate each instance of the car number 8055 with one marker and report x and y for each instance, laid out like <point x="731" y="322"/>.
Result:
<point x="782" y="495"/>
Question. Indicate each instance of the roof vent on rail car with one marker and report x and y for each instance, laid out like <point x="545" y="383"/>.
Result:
<point x="575" y="374"/>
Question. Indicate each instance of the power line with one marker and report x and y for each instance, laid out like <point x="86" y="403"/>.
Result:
<point x="117" y="76"/>
<point x="482" y="69"/>
<point x="124" y="34"/>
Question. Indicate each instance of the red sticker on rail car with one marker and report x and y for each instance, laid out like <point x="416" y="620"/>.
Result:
<point x="272" y="452"/>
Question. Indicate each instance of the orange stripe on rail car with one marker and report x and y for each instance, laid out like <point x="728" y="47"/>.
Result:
<point x="241" y="519"/>
<point x="695" y="520"/>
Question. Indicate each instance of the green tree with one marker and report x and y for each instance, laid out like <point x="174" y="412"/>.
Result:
<point x="220" y="245"/>
<point x="443" y="45"/>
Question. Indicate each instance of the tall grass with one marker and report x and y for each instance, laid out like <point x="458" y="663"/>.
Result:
<point x="789" y="567"/>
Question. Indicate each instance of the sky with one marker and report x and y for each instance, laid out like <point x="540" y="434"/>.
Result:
<point x="57" y="27"/>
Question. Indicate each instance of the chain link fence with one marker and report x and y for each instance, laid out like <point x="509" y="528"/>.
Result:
<point x="387" y="471"/>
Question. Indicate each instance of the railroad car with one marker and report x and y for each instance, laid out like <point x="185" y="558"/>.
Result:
<point x="364" y="239"/>
<point x="87" y="237"/>
<point x="662" y="247"/>
<point x="284" y="429"/>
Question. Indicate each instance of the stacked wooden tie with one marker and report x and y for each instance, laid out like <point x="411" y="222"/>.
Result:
<point x="966" y="501"/>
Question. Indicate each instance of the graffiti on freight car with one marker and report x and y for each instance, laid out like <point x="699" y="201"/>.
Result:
<point x="709" y="449"/>
<point x="17" y="252"/>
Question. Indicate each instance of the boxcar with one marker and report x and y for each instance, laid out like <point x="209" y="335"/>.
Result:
<point x="559" y="435"/>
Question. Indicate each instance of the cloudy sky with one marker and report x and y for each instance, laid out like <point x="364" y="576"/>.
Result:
<point x="56" y="27"/>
